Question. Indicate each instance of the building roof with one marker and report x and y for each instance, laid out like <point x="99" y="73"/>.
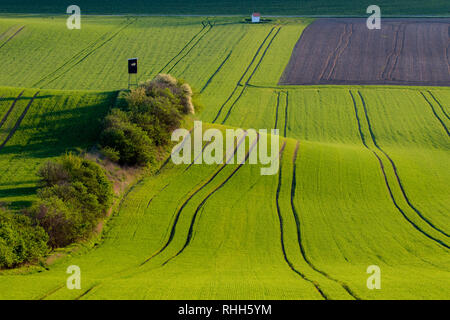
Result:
<point x="256" y="14"/>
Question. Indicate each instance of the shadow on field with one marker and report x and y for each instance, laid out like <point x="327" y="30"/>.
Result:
<point x="17" y="192"/>
<point x="58" y="132"/>
<point x="25" y="98"/>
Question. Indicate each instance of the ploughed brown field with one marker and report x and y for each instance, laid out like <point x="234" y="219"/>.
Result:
<point x="345" y="51"/>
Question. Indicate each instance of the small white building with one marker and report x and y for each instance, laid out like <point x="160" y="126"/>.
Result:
<point x="256" y="17"/>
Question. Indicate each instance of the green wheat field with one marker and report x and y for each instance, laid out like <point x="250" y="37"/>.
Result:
<point x="363" y="180"/>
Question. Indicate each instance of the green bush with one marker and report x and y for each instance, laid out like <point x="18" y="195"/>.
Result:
<point x="145" y="119"/>
<point x="20" y="240"/>
<point x="69" y="208"/>
<point x="133" y="145"/>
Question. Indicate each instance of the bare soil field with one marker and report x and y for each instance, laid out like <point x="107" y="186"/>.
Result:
<point x="345" y="51"/>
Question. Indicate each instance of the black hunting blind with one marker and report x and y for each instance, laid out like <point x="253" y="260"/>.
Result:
<point x="132" y="70"/>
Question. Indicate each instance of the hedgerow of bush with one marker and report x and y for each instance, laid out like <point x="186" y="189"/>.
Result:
<point x="75" y="193"/>
<point x="135" y="130"/>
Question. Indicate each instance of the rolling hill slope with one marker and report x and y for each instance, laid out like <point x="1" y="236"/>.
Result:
<point x="362" y="179"/>
<point x="39" y="126"/>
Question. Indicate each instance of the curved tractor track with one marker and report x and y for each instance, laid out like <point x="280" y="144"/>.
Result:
<point x="185" y="203"/>
<point x="283" y="247"/>
<point x="383" y="169"/>
<point x="203" y="202"/>
<point x="243" y="86"/>
<point x="299" y="231"/>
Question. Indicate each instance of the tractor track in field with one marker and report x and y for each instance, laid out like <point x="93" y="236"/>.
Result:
<point x="83" y="54"/>
<point x="280" y="219"/>
<point x="170" y="156"/>
<point x="12" y="36"/>
<point x="185" y="170"/>
<point x="276" y="110"/>
<point x="396" y="171"/>
<point x="185" y="203"/>
<point x="299" y="233"/>
<point x="202" y="204"/>
<point x="435" y="114"/>
<point x="216" y="72"/>
<point x="333" y="53"/>
<point x="223" y="62"/>
<point x="397" y="49"/>
<point x="193" y="46"/>
<point x="49" y="293"/>
<point x="242" y="77"/>
<point x="182" y="49"/>
<point x="439" y="104"/>
<point x="344" y="42"/>
<point x="286" y="114"/>
<point x="383" y="170"/>
<point x="19" y="121"/>
<point x="87" y="291"/>
<point x="245" y="85"/>
<point x="11" y="109"/>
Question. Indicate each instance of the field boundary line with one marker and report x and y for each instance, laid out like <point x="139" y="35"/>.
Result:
<point x="299" y="232"/>
<point x="201" y="205"/>
<point x="19" y="121"/>
<point x="280" y="218"/>
<point x="10" y="38"/>
<point x="11" y="108"/>
<point x="383" y="169"/>
<point x="435" y="114"/>
<point x="184" y="204"/>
